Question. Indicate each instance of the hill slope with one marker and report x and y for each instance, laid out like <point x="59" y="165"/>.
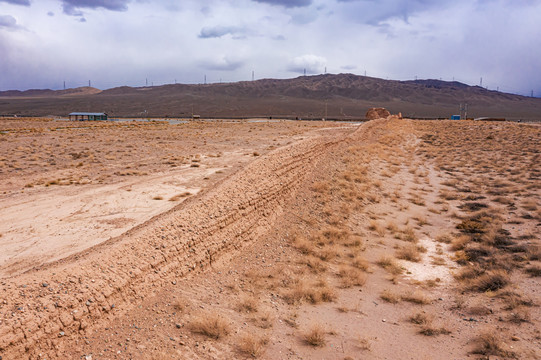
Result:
<point x="341" y="96"/>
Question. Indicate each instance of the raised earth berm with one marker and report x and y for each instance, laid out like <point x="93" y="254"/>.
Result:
<point x="65" y="298"/>
<point x="377" y="113"/>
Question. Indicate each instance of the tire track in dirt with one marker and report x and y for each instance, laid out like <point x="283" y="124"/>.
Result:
<point x="46" y="306"/>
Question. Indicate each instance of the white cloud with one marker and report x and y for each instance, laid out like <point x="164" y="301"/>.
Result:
<point x="313" y="64"/>
<point x="134" y="39"/>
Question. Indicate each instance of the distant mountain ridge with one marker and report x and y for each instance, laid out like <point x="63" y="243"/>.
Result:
<point x="84" y="90"/>
<point x="337" y="96"/>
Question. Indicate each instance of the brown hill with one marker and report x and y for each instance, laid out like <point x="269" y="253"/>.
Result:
<point x="338" y="96"/>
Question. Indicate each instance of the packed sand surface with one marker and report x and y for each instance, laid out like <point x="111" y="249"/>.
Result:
<point x="394" y="239"/>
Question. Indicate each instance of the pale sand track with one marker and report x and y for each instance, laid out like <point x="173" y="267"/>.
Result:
<point x="79" y="289"/>
<point x="50" y="224"/>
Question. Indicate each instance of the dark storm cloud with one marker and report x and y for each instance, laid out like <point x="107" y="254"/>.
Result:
<point x="8" y="22"/>
<point x="72" y="7"/>
<point x="286" y="3"/>
<point x="219" y="31"/>
<point x="17" y="2"/>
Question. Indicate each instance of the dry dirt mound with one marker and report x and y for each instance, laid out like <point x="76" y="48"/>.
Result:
<point x="64" y="298"/>
<point x="377" y="113"/>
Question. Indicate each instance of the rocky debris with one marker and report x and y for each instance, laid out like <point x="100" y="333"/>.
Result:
<point x="377" y="113"/>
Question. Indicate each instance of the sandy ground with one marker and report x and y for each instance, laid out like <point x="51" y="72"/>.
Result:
<point x="338" y="243"/>
<point x="48" y="222"/>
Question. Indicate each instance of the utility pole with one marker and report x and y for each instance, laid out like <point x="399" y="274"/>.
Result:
<point x="325" y="70"/>
<point x="532" y="93"/>
<point x="64" y="85"/>
<point x="481" y="82"/>
<point x="205" y="79"/>
<point x="88" y="83"/>
<point x="146" y="82"/>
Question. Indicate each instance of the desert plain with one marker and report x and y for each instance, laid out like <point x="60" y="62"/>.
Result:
<point x="272" y="239"/>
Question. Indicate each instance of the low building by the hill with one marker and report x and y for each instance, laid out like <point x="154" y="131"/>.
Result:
<point x="81" y="116"/>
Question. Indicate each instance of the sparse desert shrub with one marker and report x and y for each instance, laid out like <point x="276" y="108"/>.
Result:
<point x="320" y="187"/>
<point x="390" y="264"/>
<point x="313" y="295"/>
<point x="477" y="252"/>
<point x="408" y="234"/>
<point x="420" y="318"/>
<point x="252" y="345"/>
<point x="460" y="242"/>
<point x="211" y="325"/>
<point x="468" y="273"/>
<point x="350" y="276"/>
<point x="332" y="235"/>
<point x="389" y="296"/>
<point x="488" y="343"/>
<point x="157" y="198"/>
<point x="416" y="297"/>
<point x="409" y="252"/>
<point x="444" y="238"/>
<point x="179" y="196"/>
<point x="533" y="270"/>
<point x="248" y="304"/>
<point x="264" y="320"/>
<point x="519" y="316"/>
<point x="327" y="253"/>
<point x="490" y="281"/>
<point x="417" y="200"/>
<point x="360" y="263"/>
<point x="376" y="226"/>
<point x="392" y="227"/>
<point x="302" y="244"/>
<point x="431" y="330"/>
<point x="315" y="336"/>
<point x="530" y="205"/>
<point x="315" y="264"/>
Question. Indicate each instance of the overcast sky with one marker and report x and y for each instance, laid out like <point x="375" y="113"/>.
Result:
<point x="124" y="42"/>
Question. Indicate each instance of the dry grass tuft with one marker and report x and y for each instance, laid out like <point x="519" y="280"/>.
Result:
<point x="533" y="270"/>
<point x="490" y="281"/>
<point x="389" y="296"/>
<point x="408" y="234"/>
<point x="430" y="330"/>
<point x="390" y="264"/>
<point x="409" y="252"/>
<point x="211" y="325"/>
<point x="315" y="336"/>
<point x="350" y="276"/>
<point x="302" y="244"/>
<point x="252" y="345"/>
<point x="488" y="344"/>
<point x="360" y="263"/>
<point x="248" y="304"/>
<point x="416" y="297"/>
<point x="420" y="318"/>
